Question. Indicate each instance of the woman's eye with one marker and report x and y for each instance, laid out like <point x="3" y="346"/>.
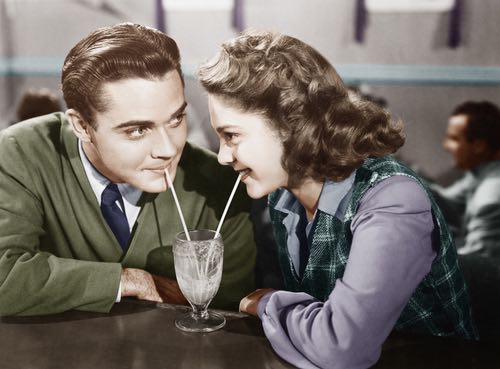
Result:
<point x="229" y="136"/>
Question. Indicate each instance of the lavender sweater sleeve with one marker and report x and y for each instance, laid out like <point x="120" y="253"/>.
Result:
<point x="391" y="252"/>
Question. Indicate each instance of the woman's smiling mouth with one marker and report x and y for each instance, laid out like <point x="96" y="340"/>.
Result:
<point x="244" y="173"/>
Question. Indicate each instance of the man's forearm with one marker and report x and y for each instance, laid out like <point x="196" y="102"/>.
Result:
<point x="41" y="283"/>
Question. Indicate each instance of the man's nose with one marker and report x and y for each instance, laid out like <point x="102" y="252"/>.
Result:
<point x="448" y="145"/>
<point x="225" y="155"/>
<point x="163" y="146"/>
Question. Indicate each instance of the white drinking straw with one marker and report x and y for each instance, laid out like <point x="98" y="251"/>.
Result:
<point x="171" y="185"/>
<point x="227" y="205"/>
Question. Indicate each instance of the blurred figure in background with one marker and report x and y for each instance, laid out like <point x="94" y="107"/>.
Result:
<point x="36" y="102"/>
<point x="471" y="205"/>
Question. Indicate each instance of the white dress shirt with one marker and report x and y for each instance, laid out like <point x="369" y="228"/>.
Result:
<point x="129" y="193"/>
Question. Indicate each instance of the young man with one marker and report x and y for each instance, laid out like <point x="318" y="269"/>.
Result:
<point x="472" y="204"/>
<point x="86" y="217"/>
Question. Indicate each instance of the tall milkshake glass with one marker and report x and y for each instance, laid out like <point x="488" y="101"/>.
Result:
<point x="198" y="268"/>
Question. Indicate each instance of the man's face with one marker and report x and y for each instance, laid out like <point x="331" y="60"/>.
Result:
<point x="467" y="154"/>
<point x="142" y="132"/>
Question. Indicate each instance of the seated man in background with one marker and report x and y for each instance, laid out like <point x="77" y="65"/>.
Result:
<point x="472" y="204"/>
<point x="36" y="102"/>
<point x="85" y="215"/>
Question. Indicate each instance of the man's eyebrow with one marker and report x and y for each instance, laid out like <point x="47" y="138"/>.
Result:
<point x="179" y="111"/>
<point x="148" y="123"/>
<point x="134" y="123"/>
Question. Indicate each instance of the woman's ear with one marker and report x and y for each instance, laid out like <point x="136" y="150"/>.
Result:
<point x="79" y="125"/>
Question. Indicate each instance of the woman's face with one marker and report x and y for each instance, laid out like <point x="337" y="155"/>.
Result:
<point x="249" y="146"/>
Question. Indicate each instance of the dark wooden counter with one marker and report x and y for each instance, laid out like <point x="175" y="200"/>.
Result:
<point x="142" y="335"/>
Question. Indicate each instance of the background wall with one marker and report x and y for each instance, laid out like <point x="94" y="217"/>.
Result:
<point x="35" y="35"/>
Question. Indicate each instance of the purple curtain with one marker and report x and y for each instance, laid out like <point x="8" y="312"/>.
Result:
<point x="160" y="16"/>
<point x="237" y="20"/>
<point x="360" y="21"/>
<point x="454" y="30"/>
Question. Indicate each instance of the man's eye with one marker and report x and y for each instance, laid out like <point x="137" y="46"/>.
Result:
<point x="177" y="120"/>
<point x="137" y="132"/>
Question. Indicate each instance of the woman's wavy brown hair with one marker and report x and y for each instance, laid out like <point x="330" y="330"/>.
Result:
<point x="325" y="131"/>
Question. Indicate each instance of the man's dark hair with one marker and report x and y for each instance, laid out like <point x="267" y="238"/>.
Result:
<point x="483" y="122"/>
<point x="111" y="54"/>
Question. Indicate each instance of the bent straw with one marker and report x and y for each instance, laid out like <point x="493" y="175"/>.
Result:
<point x="171" y="185"/>
<point x="227" y="205"/>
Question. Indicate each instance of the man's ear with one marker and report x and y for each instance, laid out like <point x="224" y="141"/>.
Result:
<point x="80" y="126"/>
<point x="482" y="150"/>
<point x="480" y="146"/>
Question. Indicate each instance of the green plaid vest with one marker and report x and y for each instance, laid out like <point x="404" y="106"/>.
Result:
<point x="439" y="306"/>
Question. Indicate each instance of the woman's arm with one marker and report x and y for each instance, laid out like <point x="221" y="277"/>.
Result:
<point x="391" y="253"/>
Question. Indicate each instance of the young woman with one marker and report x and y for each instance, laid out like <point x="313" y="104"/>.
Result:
<point x="362" y="246"/>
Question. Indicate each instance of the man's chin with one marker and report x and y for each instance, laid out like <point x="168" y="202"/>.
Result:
<point x="462" y="166"/>
<point x="153" y="182"/>
<point x="155" y="186"/>
<point x="157" y="190"/>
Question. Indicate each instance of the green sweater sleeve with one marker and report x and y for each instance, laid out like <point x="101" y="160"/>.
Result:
<point x="34" y="281"/>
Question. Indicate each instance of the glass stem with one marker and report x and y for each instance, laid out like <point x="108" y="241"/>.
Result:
<point x="199" y="311"/>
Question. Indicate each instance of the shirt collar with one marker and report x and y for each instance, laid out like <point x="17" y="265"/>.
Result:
<point x="330" y="197"/>
<point x="98" y="182"/>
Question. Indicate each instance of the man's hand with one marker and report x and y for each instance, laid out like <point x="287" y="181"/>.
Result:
<point x="145" y="286"/>
<point x="139" y="283"/>
<point x="250" y="302"/>
<point x="169" y="290"/>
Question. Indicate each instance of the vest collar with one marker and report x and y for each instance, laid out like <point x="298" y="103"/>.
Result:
<point x="330" y="200"/>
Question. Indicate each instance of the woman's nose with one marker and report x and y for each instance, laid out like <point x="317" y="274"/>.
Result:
<point x="225" y="155"/>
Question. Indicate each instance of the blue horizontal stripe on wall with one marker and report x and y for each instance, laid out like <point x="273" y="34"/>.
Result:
<point x="383" y="74"/>
<point x="419" y="74"/>
<point x="36" y="66"/>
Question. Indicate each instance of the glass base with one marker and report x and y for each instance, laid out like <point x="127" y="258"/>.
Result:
<point x="209" y="322"/>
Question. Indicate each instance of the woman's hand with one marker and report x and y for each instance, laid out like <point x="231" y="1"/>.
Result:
<point x="249" y="303"/>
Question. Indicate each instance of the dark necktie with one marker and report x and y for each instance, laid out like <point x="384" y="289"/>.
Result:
<point x="116" y="218"/>
<point x="304" y="242"/>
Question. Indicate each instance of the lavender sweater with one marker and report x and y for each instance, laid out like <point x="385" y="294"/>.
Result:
<point x="391" y="252"/>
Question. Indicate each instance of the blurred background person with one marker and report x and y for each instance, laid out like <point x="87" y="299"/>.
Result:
<point x="36" y="102"/>
<point x="471" y="205"/>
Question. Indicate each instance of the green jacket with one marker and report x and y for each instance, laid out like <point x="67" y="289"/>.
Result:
<point x="57" y="251"/>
